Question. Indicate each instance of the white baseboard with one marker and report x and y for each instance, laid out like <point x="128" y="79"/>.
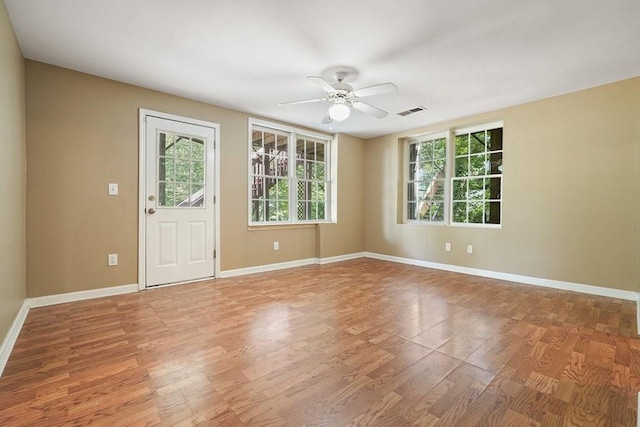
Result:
<point x="347" y="257"/>
<point x="14" y="331"/>
<point x="289" y="264"/>
<point x="537" y="281"/>
<point x="12" y="335"/>
<point x="267" y="267"/>
<point x="81" y="295"/>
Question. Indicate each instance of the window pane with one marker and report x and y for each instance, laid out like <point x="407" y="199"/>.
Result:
<point x="280" y="165"/>
<point x="462" y="144"/>
<point x="310" y="150"/>
<point x="477" y="142"/>
<point x="166" y="145"/>
<point x="439" y="166"/>
<point x="197" y="149"/>
<point x="494" y="139"/>
<point x="197" y="172"/>
<point x="459" y="211"/>
<point x="476" y="211"/>
<point x="272" y="210"/>
<point x="183" y="147"/>
<point x="320" y="151"/>
<point x="182" y="170"/>
<point x="436" y="211"/>
<point x="459" y="189"/>
<point x="197" y="195"/>
<point x="411" y="211"/>
<point x="299" y="168"/>
<point x="493" y="188"/>
<point x="440" y="148"/>
<point x="496" y="162"/>
<point x="321" y="210"/>
<point x="476" y="189"/>
<point x="257" y="210"/>
<point x="302" y="211"/>
<point x="302" y="190"/>
<point x="182" y="194"/>
<point x="282" y="189"/>
<point x="282" y="145"/>
<point x="492" y="213"/>
<point x="283" y="211"/>
<point x="166" y="194"/>
<point x="413" y="152"/>
<point x="462" y="166"/>
<point x="438" y="189"/>
<point x="165" y="169"/>
<point x="318" y="192"/>
<point x="477" y="165"/>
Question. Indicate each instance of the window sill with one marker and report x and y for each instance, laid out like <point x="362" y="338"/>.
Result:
<point x="265" y="227"/>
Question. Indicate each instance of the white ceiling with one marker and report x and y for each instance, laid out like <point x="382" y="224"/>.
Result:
<point x="454" y="57"/>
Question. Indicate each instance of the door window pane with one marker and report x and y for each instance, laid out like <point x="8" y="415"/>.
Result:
<point x="181" y="171"/>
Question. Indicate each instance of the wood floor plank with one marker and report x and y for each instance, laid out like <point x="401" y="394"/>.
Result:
<point x="362" y="342"/>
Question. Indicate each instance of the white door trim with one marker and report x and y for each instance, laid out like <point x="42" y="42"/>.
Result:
<point x="143" y="113"/>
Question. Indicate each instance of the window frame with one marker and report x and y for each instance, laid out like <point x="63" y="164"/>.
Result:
<point x="417" y="139"/>
<point x="292" y="134"/>
<point x="450" y="176"/>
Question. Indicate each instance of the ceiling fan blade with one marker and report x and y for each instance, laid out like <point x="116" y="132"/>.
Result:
<point x="306" y="101"/>
<point x="319" y="81"/>
<point x="326" y="119"/>
<point x="375" y="90"/>
<point x="369" y="109"/>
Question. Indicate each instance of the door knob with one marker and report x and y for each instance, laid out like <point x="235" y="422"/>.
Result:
<point x="151" y="211"/>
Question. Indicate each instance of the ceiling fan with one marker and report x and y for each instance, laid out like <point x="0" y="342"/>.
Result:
<point x="344" y="97"/>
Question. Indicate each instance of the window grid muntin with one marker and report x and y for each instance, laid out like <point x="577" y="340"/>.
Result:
<point x="311" y="168"/>
<point x="186" y="187"/>
<point x="269" y="176"/>
<point x="427" y="168"/>
<point x="315" y="163"/>
<point x="466" y="168"/>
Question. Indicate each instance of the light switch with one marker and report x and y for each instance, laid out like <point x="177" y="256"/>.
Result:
<point x="113" y="189"/>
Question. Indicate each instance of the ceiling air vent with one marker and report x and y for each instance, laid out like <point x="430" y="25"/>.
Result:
<point x="411" y="111"/>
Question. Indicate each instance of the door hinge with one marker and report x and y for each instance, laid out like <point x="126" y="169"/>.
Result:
<point x="214" y="254"/>
<point x="214" y="200"/>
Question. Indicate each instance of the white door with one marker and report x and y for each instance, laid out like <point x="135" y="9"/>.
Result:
<point x="179" y="205"/>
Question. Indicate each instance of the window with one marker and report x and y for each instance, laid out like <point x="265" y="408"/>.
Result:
<point x="426" y="180"/>
<point x="477" y="181"/>
<point x="464" y="190"/>
<point x="288" y="175"/>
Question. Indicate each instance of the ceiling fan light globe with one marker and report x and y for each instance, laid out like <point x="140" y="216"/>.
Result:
<point x="339" y="112"/>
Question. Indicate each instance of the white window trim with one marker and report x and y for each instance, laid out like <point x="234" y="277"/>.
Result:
<point x="449" y="175"/>
<point x="419" y="138"/>
<point x="292" y="133"/>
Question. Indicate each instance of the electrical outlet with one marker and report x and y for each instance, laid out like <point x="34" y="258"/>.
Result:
<point x="447" y="247"/>
<point x="113" y="189"/>
<point x="276" y="246"/>
<point x="112" y="260"/>
<point x="469" y="249"/>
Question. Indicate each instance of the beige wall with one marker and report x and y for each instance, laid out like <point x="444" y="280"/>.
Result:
<point x="571" y="193"/>
<point x="347" y="235"/>
<point x="82" y="133"/>
<point x="12" y="176"/>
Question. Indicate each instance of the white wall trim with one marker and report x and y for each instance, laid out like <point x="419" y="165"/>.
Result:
<point x="528" y="280"/>
<point x="267" y="267"/>
<point x="289" y="264"/>
<point x="638" y="332"/>
<point x="12" y="335"/>
<point x="81" y="295"/>
<point x="338" y="258"/>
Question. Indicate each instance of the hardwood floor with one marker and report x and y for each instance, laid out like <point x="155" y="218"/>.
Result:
<point x="361" y="342"/>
